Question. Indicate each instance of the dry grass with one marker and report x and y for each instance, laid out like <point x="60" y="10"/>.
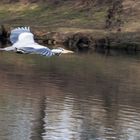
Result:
<point x="64" y="16"/>
<point x="68" y="18"/>
<point x="131" y="15"/>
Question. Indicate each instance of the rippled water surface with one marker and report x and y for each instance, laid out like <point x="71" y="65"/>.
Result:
<point x="71" y="97"/>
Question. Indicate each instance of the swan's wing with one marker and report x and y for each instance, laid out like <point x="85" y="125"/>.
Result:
<point x="31" y="50"/>
<point x="16" y="32"/>
<point x="11" y="48"/>
<point x="44" y="51"/>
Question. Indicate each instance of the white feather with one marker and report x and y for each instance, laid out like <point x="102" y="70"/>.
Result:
<point x="23" y="41"/>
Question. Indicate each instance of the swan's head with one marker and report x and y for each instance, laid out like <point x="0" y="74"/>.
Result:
<point x="60" y="51"/>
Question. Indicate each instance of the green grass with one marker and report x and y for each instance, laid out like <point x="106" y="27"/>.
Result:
<point x="35" y="15"/>
<point x="67" y="18"/>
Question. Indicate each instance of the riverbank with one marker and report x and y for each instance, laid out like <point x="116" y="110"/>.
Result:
<point x="79" y="26"/>
<point x="83" y="40"/>
<point x="90" y="41"/>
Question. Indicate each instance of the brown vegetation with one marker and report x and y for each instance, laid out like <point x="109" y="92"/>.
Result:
<point x="81" y="24"/>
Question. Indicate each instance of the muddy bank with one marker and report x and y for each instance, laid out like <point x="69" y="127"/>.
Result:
<point x="84" y="42"/>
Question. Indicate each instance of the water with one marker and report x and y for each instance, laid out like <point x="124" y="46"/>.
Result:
<point x="71" y="97"/>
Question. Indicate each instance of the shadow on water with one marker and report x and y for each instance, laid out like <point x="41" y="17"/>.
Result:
<point x="79" y="97"/>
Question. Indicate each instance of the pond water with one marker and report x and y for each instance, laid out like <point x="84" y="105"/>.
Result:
<point x="70" y="97"/>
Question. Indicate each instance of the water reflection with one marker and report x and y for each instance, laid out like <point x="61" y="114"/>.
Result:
<point x="69" y="97"/>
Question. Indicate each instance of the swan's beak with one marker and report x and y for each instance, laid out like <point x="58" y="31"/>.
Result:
<point x="61" y="51"/>
<point x="67" y="51"/>
<point x="1" y="49"/>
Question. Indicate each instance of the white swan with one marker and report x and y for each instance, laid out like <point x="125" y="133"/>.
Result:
<point x="23" y="42"/>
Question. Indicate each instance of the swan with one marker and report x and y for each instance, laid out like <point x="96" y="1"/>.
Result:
<point x="23" y="42"/>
